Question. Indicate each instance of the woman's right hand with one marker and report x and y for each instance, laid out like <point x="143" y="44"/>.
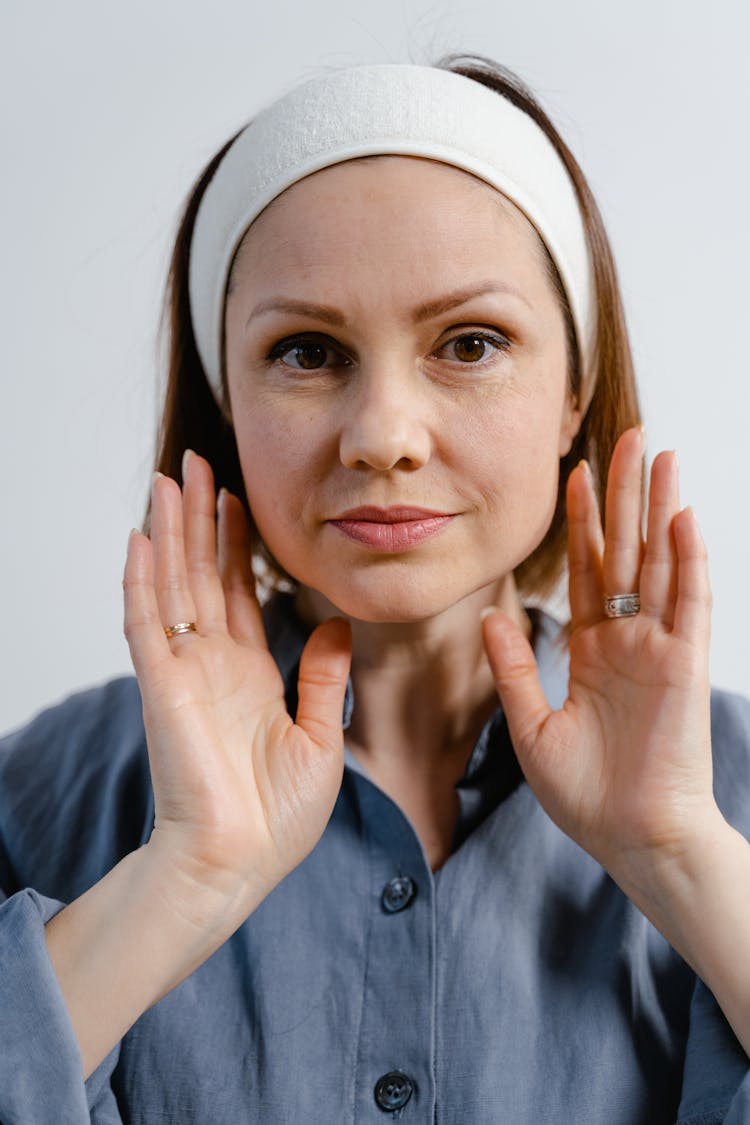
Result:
<point x="242" y="791"/>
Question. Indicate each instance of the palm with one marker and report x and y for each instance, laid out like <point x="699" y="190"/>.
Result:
<point x="625" y="763"/>
<point x="239" y="786"/>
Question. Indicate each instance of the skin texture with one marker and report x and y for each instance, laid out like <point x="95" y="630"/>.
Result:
<point x="389" y="412"/>
<point x="380" y="409"/>
<point x="383" y="409"/>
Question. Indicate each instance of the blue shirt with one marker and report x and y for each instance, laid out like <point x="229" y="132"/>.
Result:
<point x="517" y="984"/>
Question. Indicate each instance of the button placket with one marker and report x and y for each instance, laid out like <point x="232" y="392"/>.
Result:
<point x="400" y="970"/>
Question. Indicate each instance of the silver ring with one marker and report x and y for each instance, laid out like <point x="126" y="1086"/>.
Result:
<point x="181" y="627"/>
<point x="622" y="605"/>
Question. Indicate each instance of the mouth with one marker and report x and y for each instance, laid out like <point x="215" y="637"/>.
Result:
<point x="391" y="530"/>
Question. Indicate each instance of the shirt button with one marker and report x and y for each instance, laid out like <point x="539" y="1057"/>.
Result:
<point x="393" y="1090"/>
<point x="398" y="893"/>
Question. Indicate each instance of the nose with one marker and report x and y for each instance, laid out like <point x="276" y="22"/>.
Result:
<point x="385" y="422"/>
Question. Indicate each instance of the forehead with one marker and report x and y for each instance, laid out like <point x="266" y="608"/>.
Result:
<point x="388" y="207"/>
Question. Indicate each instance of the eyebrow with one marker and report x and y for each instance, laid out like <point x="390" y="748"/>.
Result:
<point x="426" y="311"/>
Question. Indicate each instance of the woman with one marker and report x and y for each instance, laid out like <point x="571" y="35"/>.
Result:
<point x="491" y="893"/>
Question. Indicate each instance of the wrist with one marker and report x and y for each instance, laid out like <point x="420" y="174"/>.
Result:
<point x="213" y="901"/>
<point x="669" y="871"/>
<point x="130" y="939"/>
<point x="696" y="894"/>
<point x="685" y="887"/>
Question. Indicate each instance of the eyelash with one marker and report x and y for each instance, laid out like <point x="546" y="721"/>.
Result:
<point x="500" y="343"/>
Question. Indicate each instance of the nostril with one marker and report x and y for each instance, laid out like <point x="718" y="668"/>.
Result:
<point x="385" y="443"/>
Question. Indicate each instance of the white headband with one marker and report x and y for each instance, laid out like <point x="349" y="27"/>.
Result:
<point x="389" y="108"/>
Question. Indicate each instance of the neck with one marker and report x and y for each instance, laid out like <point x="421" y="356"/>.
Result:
<point x="423" y="689"/>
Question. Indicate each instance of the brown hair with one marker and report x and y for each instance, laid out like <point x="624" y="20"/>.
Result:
<point x="192" y="418"/>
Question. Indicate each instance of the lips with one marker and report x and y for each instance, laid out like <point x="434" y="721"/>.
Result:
<point x="396" y="514"/>
<point x="390" y="530"/>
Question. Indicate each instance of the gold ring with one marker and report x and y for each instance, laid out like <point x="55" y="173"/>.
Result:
<point x="181" y="627"/>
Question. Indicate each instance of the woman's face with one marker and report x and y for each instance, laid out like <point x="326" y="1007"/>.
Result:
<point x="433" y="379"/>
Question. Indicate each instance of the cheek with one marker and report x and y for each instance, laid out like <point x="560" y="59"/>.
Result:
<point x="269" y="446"/>
<point x="278" y="467"/>
<point x="517" y="467"/>
<point x="520" y="439"/>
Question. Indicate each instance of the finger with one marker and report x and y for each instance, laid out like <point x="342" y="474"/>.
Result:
<point x="173" y="595"/>
<point x="585" y="543"/>
<point x="692" y="615"/>
<point x="143" y="628"/>
<point x="199" y="520"/>
<point x="321" y="687"/>
<point x="623" y="544"/>
<point x="514" y="669"/>
<point x="244" y="618"/>
<point x="658" y="585"/>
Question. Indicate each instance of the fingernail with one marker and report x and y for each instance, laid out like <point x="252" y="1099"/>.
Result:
<point x="583" y="464"/>
<point x="187" y="455"/>
<point x="155" y="478"/>
<point x="488" y="609"/>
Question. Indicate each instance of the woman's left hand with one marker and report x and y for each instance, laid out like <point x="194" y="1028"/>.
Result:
<point x="624" y="767"/>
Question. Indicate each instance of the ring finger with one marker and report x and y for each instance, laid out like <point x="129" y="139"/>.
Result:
<point x="173" y="596"/>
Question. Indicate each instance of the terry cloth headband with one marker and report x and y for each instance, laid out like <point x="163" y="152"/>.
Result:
<point x="387" y="108"/>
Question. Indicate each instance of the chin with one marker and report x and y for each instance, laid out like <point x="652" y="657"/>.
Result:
<point x="383" y="610"/>
<point x="399" y="599"/>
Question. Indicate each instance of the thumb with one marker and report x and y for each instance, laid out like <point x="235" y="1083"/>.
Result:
<point x="321" y="687"/>
<point x="514" y="669"/>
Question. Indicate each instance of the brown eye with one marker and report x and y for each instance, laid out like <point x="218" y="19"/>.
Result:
<point x="472" y="347"/>
<point x="309" y="354"/>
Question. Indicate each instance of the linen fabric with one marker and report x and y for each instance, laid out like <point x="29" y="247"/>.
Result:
<point x="516" y="984"/>
<point x="398" y="109"/>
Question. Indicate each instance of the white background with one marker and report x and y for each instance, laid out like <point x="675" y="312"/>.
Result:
<point x="109" y="111"/>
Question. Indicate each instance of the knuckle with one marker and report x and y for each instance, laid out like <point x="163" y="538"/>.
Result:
<point x="657" y="555"/>
<point x="702" y="598"/>
<point x="319" y="680"/>
<point x="579" y="567"/>
<point x="202" y="565"/>
<point x="132" y="628"/>
<point x="238" y="580"/>
<point x="622" y="544"/>
<point x="172" y="584"/>
<point x="516" y="666"/>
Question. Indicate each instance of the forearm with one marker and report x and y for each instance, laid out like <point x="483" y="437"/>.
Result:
<point x="130" y="940"/>
<point x="700" y="901"/>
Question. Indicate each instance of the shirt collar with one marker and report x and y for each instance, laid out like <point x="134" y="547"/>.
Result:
<point x="493" y="754"/>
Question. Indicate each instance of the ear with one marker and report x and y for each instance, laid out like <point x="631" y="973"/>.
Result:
<point x="569" y="425"/>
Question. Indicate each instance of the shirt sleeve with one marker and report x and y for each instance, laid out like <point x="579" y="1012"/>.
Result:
<point x="41" y="1075"/>
<point x="716" y="1076"/>
<point x="74" y="792"/>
